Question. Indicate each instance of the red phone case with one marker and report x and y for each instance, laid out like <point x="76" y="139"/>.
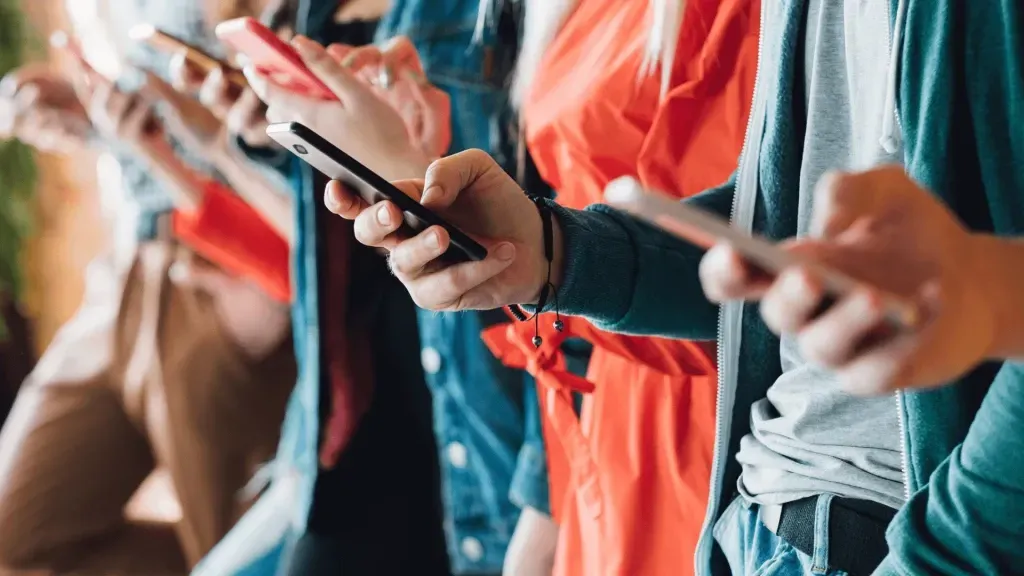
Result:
<point x="272" y="57"/>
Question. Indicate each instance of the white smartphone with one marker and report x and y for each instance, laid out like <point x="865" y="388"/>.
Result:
<point x="705" y="229"/>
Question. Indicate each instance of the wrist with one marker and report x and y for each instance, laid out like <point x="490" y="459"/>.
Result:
<point x="558" y="252"/>
<point x="1000" y="280"/>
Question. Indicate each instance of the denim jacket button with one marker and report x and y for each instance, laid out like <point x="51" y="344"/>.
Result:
<point x="457" y="455"/>
<point x="472" y="549"/>
<point x="430" y="358"/>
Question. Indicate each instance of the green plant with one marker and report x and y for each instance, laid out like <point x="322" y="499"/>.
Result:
<point x="17" y="165"/>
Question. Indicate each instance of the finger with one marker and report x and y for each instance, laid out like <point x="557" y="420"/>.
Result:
<point x="792" y="300"/>
<point x="214" y="94"/>
<point x="879" y="370"/>
<point x="185" y="76"/>
<point x="459" y="287"/>
<point x="411" y="188"/>
<point x="342" y="83"/>
<point x="834" y="338"/>
<point x="283" y="105"/>
<point x="375" y="225"/>
<point x="257" y="81"/>
<point x="10" y="84"/>
<point x="401" y="54"/>
<point x="26" y="98"/>
<point x="343" y="201"/>
<point x="102" y="95"/>
<point x="919" y="358"/>
<point x="409" y="258"/>
<point x="726" y="276"/>
<point x="356" y="59"/>
<point x="248" y="117"/>
<point x="13" y="117"/>
<point x="842" y="199"/>
<point x="340" y="53"/>
<point x="448" y="177"/>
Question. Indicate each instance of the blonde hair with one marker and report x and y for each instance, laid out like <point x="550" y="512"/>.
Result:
<point x="545" y="18"/>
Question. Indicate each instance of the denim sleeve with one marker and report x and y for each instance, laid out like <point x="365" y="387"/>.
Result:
<point x="969" y="518"/>
<point x="529" y="486"/>
<point x="626" y="276"/>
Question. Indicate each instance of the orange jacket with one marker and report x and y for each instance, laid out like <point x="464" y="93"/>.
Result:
<point x="229" y="232"/>
<point x="630" y="483"/>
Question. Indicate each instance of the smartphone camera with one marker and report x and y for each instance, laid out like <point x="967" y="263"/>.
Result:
<point x="301" y="149"/>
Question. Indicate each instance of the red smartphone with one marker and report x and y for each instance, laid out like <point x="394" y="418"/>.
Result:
<point x="272" y="57"/>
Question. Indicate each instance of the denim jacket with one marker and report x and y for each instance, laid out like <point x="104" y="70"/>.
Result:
<point x="486" y="416"/>
<point x="262" y="541"/>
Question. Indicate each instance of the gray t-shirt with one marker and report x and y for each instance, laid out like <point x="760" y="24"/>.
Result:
<point x="808" y="436"/>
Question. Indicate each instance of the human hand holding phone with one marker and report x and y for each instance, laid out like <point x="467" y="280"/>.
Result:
<point x="473" y="192"/>
<point x="396" y="74"/>
<point x="40" y="106"/>
<point x="241" y="111"/>
<point x="884" y="229"/>
<point x="359" y="121"/>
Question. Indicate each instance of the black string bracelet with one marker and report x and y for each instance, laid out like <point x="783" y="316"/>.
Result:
<point x="549" y="290"/>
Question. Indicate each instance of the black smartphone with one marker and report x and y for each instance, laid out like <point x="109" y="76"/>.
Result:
<point x="335" y="164"/>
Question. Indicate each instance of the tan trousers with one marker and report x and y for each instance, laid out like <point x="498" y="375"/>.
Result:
<point x="142" y="376"/>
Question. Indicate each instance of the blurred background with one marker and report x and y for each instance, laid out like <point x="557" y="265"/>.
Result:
<point x="53" y="213"/>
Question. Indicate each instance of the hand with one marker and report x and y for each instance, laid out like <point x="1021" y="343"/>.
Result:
<point x="240" y="110"/>
<point x="359" y="121"/>
<point x="121" y="116"/>
<point x="882" y="228"/>
<point x="472" y="192"/>
<point x="41" y="109"/>
<point x="397" y="76"/>
<point x="191" y="123"/>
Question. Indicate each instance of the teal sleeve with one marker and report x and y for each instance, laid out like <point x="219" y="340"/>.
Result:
<point x="626" y="276"/>
<point x="969" y="518"/>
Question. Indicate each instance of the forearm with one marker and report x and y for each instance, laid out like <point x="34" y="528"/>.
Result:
<point x="258" y="191"/>
<point x="1001" y="279"/>
<point x="626" y="276"/>
<point x="180" y="180"/>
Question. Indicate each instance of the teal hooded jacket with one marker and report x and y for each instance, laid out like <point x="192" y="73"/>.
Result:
<point x="958" y="87"/>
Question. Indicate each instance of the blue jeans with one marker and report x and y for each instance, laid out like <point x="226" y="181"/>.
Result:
<point x="753" y="550"/>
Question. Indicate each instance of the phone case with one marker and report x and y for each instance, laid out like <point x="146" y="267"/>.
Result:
<point x="272" y="57"/>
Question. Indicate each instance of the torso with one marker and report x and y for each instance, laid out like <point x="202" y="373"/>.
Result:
<point x="808" y="436"/>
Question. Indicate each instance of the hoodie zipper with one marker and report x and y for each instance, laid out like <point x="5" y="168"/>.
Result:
<point x="904" y="457"/>
<point x="731" y="313"/>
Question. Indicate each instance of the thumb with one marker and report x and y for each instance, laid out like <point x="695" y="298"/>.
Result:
<point x="448" y="177"/>
<point x="841" y="199"/>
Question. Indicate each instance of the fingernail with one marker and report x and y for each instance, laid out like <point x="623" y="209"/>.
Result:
<point x="434" y="242"/>
<point x="505" y="252"/>
<point x="330" y="200"/>
<point x="429" y="193"/>
<point x="384" y="216"/>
